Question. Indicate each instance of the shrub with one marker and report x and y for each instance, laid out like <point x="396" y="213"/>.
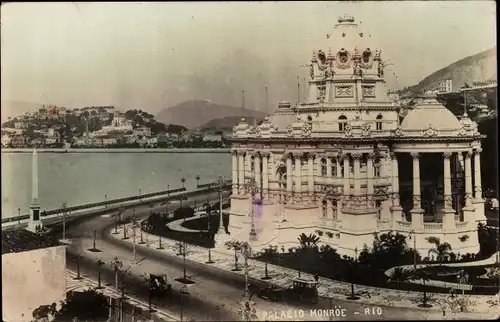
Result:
<point x="329" y="234"/>
<point x="184" y="212"/>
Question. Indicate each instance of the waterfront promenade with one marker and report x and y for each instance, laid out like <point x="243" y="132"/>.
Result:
<point x="56" y="215"/>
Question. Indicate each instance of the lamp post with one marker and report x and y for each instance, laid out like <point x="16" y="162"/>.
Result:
<point x="252" y="187"/>
<point x="221" y="185"/>
<point x="412" y="232"/>
<point x="99" y="264"/>
<point x="462" y="278"/>
<point x="168" y="190"/>
<point x="197" y="180"/>
<point x="183" y="291"/>
<point x="117" y="266"/>
<point x="19" y="215"/>
<point x="94" y="237"/>
<point x="246" y="251"/>
<point x="183" y="180"/>
<point x="105" y="199"/>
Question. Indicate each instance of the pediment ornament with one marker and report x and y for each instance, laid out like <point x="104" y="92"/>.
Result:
<point x="430" y="131"/>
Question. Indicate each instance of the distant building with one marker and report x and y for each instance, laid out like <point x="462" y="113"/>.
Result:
<point x="20" y="125"/>
<point x="143" y="131"/>
<point x="33" y="273"/>
<point x="212" y="138"/>
<point x="445" y="86"/>
<point x="6" y="140"/>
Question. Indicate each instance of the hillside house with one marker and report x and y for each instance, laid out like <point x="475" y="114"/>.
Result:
<point x="143" y="131"/>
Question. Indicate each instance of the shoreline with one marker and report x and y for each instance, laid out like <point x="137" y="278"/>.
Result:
<point x="117" y="150"/>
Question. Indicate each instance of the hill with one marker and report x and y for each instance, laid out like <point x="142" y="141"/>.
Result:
<point x="15" y="108"/>
<point x="196" y="113"/>
<point x="478" y="67"/>
<point x="225" y="124"/>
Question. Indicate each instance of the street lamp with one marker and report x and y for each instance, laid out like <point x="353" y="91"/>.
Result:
<point x="221" y="184"/>
<point x="412" y="232"/>
<point x="246" y="251"/>
<point x="462" y="278"/>
<point x="140" y="193"/>
<point x="19" y="215"/>
<point x="99" y="264"/>
<point x="252" y="187"/>
<point x="183" y="291"/>
<point x="197" y="180"/>
<point x="183" y="180"/>
<point x="105" y="199"/>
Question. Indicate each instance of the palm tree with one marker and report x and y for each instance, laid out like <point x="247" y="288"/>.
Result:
<point x="308" y="241"/>
<point x="398" y="275"/>
<point x="441" y="250"/>
<point x="197" y="180"/>
<point x="183" y="180"/>
<point x="422" y="275"/>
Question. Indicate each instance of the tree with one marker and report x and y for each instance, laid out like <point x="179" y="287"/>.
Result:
<point x="399" y="275"/>
<point x="441" y="250"/>
<point x="308" y="241"/>
<point x="183" y="249"/>
<point x="423" y="276"/>
<point x="84" y="306"/>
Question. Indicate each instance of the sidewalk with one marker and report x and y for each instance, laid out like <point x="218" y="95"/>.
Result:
<point x="85" y="283"/>
<point x="476" y="305"/>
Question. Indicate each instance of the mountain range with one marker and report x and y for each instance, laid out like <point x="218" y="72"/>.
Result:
<point x="476" y="68"/>
<point x="197" y="113"/>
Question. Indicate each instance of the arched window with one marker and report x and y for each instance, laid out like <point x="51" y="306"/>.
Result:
<point x="342" y="123"/>
<point x="379" y="122"/>
<point x="252" y="164"/>
<point x="324" y="208"/>
<point x="323" y="167"/>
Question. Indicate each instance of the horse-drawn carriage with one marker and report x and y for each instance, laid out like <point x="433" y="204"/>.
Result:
<point x="159" y="285"/>
<point x="301" y="290"/>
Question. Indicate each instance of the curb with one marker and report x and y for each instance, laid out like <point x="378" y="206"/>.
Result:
<point x="131" y="299"/>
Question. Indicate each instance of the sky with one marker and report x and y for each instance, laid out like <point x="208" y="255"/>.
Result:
<point x="153" y="55"/>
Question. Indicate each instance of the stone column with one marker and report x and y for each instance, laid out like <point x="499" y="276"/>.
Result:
<point x="477" y="175"/>
<point x="329" y="209"/>
<point x="310" y="177"/>
<point x="265" y="175"/>
<point x="417" y="219"/>
<point x="234" y="156"/>
<point x="256" y="169"/>
<point x="468" y="179"/>
<point x="289" y="178"/>
<point x="298" y="175"/>
<point x="447" y="181"/>
<point x="347" y="183"/>
<point x="241" y="172"/>
<point x="448" y="214"/>
<point x="357" y="178"/>
<point x="339" y="169"/>
<point x="369" y="176"/>
<point x="328" y="167"/>
<point x="395" y="179"/>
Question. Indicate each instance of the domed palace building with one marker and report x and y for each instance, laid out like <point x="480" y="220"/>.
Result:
<point x="341" y="162"/>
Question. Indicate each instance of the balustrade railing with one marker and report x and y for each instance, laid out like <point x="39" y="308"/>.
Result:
<point x="403" y="224"/>
<point x="433" y="226"/>
<point x="461" y="224"/>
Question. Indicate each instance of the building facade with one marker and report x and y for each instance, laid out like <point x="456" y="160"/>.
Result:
<point x="332" y="162"/>
<point x="33" y="273"/>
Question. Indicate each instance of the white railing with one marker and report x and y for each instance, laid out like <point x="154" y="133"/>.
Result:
<point x="433" y="226"/>
<point x="403" y="224"/>
<point x="461" y="224"/>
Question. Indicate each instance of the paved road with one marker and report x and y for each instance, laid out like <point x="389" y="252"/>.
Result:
<point x="216" y="294"/>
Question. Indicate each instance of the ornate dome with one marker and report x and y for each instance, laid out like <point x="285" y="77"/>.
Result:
<point x="349" y="35"/>
<point x="430" y="114"/>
